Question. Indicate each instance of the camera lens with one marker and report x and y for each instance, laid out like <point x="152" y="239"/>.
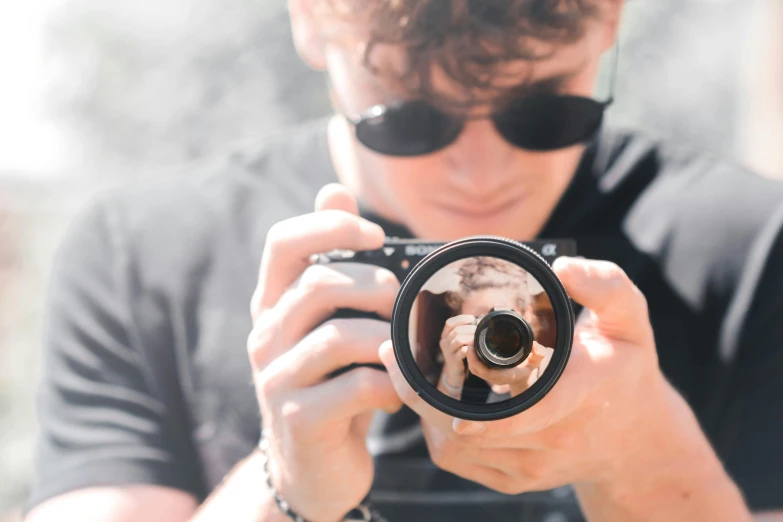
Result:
<point x="503" y="339"/>
<point x="466" y="321"/>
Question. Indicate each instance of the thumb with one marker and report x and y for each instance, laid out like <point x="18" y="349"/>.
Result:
<point x="335" y="196"/>
<point x="607" y="291"/>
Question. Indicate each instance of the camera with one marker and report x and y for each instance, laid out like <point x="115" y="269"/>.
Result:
<point x="503" y="338"/>
<point x="481" y="327"/>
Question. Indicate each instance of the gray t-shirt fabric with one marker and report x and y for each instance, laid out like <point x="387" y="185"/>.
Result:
<point x="146" y="378"/>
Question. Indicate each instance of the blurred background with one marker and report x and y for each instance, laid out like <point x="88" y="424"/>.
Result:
<point x="100" y="93"/>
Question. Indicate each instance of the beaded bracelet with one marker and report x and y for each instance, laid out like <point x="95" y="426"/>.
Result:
<point x="361" y="513"/>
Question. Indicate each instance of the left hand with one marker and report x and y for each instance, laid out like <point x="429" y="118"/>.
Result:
<point x="611" y="418"/>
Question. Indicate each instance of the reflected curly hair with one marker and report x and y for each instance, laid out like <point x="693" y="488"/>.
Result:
<point x="468" y="40"/>
<point x="478" y="273"/>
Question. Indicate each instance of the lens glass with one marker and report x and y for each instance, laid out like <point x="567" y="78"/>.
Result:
<point x="503" y="338"/>
<point x="472" y="317"/>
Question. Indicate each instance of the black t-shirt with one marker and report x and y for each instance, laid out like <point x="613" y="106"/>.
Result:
<point x="146" y="377"/>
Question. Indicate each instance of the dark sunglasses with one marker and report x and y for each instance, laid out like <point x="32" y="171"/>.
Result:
<point x="538" y="122"/>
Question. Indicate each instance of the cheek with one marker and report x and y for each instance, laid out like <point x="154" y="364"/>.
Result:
<point x="405" y="181"/>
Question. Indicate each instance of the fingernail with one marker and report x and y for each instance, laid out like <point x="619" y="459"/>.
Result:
<point x="565" y="260"/>
<point x="464" y="427"/>
<point x="385" y="352"/>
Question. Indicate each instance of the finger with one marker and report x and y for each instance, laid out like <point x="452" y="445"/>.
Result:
<point x="335" y="196"/>
<point x="448" y="326"/>
<point x="323" y="289"/>
<point x="603" y="287"/>
<point x="473" y="432"/>
<point x="455" y="349"/>
<point x="356" y="392"/>
<point x="460" y="341"/>
<point x="525" y="468"/>
<point x="464" y="329"/>
<point x="334" y="345"/>
<point x="361" y="424"/>
<point x="461" y="319"/>
<point x="408" y="394"/>
<point x="291" y="243"/>
<point x="537" y="354"/>
<point x="465" y="459"/>
<point x="501" y="389"/>
<point x="543" y="356"/>
<point x="489" y="477"/>
<point x="515" y="375"/>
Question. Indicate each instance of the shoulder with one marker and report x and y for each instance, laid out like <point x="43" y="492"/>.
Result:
<point x="225" y="202"/>
<point x="687" y="187"/>
<point x="698" y="215"/>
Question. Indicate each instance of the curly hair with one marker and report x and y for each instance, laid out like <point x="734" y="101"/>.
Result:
<point x="468" y="40"/>
<point x="478" y="273"/>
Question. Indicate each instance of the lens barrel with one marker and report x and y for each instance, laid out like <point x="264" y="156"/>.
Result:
<point x="503" y="339"/>
<point x="453" y="279"/>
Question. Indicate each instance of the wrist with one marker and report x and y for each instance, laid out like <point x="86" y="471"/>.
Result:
<point x="242" y="496"/>
<point x="360" y="513"/>
<point x="272" y="512"/>
<point x="280" y="499"/>
<point x="453" y="375"/>
<point x="670" y="472"/>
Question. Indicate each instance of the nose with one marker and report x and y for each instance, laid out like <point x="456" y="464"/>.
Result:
<point x="478" y="162"/>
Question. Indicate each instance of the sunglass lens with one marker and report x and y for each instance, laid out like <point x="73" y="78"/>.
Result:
<point x="411" y="128"/>
<point x="550" y="122"/>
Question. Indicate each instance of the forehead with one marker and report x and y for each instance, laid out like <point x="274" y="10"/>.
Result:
<point x="384" y="71"/>
<point x="489" y="297"/>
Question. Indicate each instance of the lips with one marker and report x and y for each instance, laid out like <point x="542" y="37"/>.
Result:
<point x="482" y="212"/>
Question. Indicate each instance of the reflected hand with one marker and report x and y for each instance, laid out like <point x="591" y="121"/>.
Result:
<point x="512" y="380"/>
<point x="455" y="342"/>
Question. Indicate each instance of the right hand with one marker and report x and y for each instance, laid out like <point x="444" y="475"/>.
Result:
<point x="316" y="426"/>
<point x="517" y="379"/>
<point x="455" y="341"/>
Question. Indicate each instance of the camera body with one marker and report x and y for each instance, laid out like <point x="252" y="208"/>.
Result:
<point x="400" y="256"/>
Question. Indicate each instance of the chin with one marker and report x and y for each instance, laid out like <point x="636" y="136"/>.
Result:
<point x="451" y="228"/>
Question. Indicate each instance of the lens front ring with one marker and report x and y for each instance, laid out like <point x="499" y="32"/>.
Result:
<point x="562" y="328"/>
<point x="488" y="351"/>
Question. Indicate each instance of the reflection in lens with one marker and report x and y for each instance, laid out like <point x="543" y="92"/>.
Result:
<point x="482" y="330"/>
<point x="503" y="339"/>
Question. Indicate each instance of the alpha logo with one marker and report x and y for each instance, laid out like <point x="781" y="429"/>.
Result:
<point x="419" y="250"/>
<point x="549" y="250"/>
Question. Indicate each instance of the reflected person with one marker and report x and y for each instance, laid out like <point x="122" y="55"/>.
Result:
<point x="487" y="284"/>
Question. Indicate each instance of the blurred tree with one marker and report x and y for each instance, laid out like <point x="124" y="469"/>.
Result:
<point x="150" y="84"/>
<point x="678" y="73"/>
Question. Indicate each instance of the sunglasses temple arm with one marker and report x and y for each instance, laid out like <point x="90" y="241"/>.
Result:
<point x="613" y="74"/>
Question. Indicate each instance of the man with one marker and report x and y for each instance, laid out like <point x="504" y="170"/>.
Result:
<point x="668" y="409"/>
